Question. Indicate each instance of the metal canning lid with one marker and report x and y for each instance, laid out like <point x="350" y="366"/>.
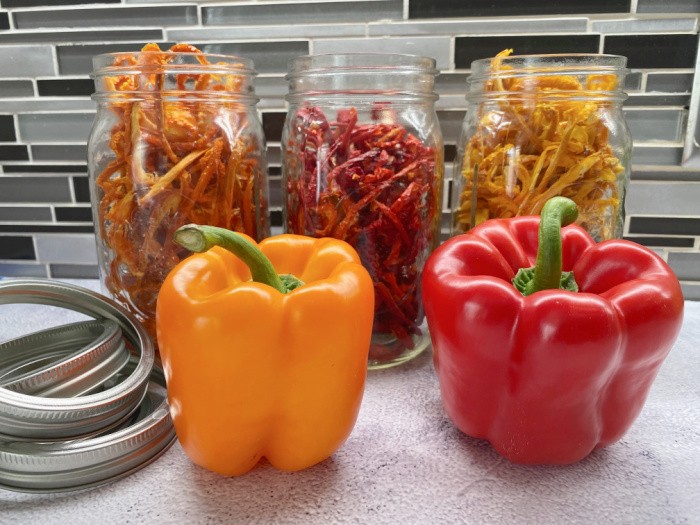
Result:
<point x="110" y="415"/>
<point x="78" y="464"/>
<point x="43" y="418"/>
<point x="47" y="363"/>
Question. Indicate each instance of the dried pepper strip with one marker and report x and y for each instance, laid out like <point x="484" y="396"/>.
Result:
<point x="176" y="160"/>
<point x="531" y="147"/>
<point x="376" y="187"/>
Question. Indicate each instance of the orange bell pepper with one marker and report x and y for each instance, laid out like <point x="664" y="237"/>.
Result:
<point x="272" y="367"/>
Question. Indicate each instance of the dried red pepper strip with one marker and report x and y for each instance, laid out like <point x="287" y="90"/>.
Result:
<point x="374" y="186"/>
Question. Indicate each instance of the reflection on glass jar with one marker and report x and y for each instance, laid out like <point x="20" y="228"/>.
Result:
<point x="363" y="162"/>
<point x="176" y="140"/>
<point x="540" y="126"/>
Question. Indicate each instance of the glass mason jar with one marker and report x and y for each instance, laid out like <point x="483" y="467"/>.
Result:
<point x="539" y="126"/>
<point x="362" y="161"/>
<point x="176" y="140"/>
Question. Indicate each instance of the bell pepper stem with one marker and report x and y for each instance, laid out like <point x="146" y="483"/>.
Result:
<point x="546" y="274"/>
<point x="199" y="238"/>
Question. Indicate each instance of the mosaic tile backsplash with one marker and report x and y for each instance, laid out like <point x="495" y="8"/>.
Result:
<point x="46" y="112"/>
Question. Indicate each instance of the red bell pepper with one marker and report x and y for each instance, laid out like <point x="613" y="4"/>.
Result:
<point x="547" y="374"/>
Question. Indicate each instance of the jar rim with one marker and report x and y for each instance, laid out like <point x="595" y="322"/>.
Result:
<point x="175" y="95"/>
<point x="178" y="61"/>
<point x="592" y="59"/>
<point x="334" y="63"/>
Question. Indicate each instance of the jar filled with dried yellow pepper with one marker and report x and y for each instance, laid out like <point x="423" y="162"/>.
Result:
<point x="540" y="126"/>
<point x="176" y="140"/>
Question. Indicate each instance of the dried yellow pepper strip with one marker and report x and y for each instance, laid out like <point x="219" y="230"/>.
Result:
<point x="530" y="145"/>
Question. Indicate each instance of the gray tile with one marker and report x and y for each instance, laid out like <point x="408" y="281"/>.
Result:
<point x="268" y="57"/>
<point x="301" y="13"/>
<point x="276" y="194"/>
<point x="34" y="189"/>
<point x="657" y="100"/>
<point x="34" y="37"/>
<point x="22" y="270"/>
<point x="451" y="83"/>
<point x="656" y="155"/>
<point x="157" y="16"/>
<point x="691" y="291"/>
<point x="633" y="81"/>
<point x="647" y="25"/>
<point x="481" y="27"/>
<point x="67" y="152"/>
<point x="671" y="174"/>
<point x="274" y="154"/>
<point x="25" y="213"/>
<point x="669" y="82"/>
<point x="46" y="104"/>
<point x="16" y="88"/>
<point x="435" y="47"/>
<point x="74" y="271"/>
<point x="76" y="248"/>
<point x="451" y="125"/>
<point x="686" y="265"/>
<point x="663" y="198"/>
<point x="257" y="32"/>
<point x="450" y="102"/>
<point x="668" y="6"/>
<point x="652" y="124"/>
<point x="26" y="61"/>
<point x="77" y="59"/>
<point x="47" y="127"/>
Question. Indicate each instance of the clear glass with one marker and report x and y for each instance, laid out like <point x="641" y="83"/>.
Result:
<point x="176" y="140"/>
<point x="539" y="126"/>
<point x="362" y="161"/>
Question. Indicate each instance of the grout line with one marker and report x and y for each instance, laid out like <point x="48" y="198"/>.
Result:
<point x="54" y="57"/>
<point x="643" y="83"/>
<point x="633" y="6"/>
<point x="15" y="122"/>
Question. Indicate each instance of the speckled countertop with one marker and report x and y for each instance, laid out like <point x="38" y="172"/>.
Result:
<point x="405" y="463"/>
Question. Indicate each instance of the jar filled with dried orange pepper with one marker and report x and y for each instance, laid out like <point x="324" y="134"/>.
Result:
<point x="540" y="126"/>
<point x="363" y="162"/>
<point x="176" y="140"/>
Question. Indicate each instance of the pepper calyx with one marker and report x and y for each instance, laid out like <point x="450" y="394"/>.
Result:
<point x="547" y="273"/>
<point x="200" y="238"/>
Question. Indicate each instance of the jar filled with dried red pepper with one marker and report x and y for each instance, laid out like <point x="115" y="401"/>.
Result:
<point x="362" y="161"/>
<point x="176" y="140"/>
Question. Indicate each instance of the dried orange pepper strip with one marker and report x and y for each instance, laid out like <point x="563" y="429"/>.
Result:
<point x="173" y="165"/>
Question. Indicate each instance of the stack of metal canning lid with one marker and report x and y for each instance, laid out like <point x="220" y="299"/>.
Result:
<point x="80" y="404"/>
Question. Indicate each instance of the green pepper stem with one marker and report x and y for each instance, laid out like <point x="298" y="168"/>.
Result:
<point x="546" y="274"/>
<point x="198" y="238"/>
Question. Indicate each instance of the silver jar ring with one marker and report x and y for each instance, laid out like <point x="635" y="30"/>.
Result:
<point x="35" y="417"/>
